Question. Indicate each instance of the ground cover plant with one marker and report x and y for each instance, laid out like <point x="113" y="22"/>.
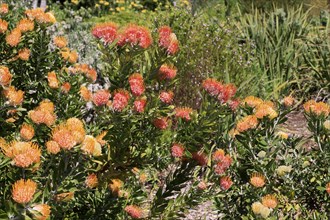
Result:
<point x="150" y="116"/>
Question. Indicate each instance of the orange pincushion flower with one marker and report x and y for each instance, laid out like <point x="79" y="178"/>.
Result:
<point x="246" y="123"/>
<point x="5" y="76"/>
<point x="23" y="191"/>
<point x="183" y="113"/>
<point x="225" y="182"/>
<point x="52" y="147"/>
<point x="228" y="91"/>
<point x="66" y="87"/>
<point x="177" y="150"/>
<point x="120" y="99"/>
<point x="134" y="211"/>
<point x="223" y="164"/>
<point x="76" y="127"/>
<point x="327" y="188"/>
<point x="105" y="31"/>
<point x="24" y="54"/>
<point x="85" y="69"/>
<point x="288" y="101"/>
<point x="135" y="35"/>
<point x="60" y="41"/>
<point x="115" y="185"/>
<point x="317" y="108"/>
<point x="166" y="97"/>
<point x="27" y="132"/>
<point x="91" y="146"/>
<point x="62" y="135"/>
<point x="264" y="110"/>
<point x="64" y="197"/>
<point x="100" y="137"/>
<point x="70" y="56"/>
<point x="47" y="106"/>
<point x="15" y="97"/>
<point x="101" y="97"/>
<point x="34" y="13"/>
<point x="52" y="80"/>
<point x="91" y="181"/>
<point x="43" y="211"/>
<point x="269" y="201"/>
<point x="4" y="8"/>
<point x="140" y="104"/>
<point x="252" y="101"/>
<point x="85" y="93"/>
<point x="23" y="154"/>
<point x="14" y="37"/>
<point x="40" y="116"/>
<point x="3" y="26"/>
<point x="25" y="25"/>
<point x="218" y="155"/>
<point x="167" y="72"/>
<point x="161" y="123"/>
<point x="40" y="16"/>
<point x="257" y="180"/>
<point x="136" y="84"/>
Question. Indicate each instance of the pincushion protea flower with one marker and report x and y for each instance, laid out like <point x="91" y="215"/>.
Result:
<point x="136" y="84"/>
<point x="84" y="69"/>
<point x="43" y="114"/>
<point x="288" y="101"/>
<point x="99" y="138"/>
<point x="177" y="150"/>
<point x="200" y="158"/>
<point x="317" y="108"/>
<point x="40" y="16"/>
<point x="140" y="104"/>
<point x="135" y="36"/>
<point x="23" y="154"/>
<point x="85" y="94"/>
<point x="52" y="147"/>
<point x="68" y="55"/>
<point x="166" y="97"/>
<point x="23" y="191"/>
<point x="120" y="100"/>
<point x="218" y="155"/>
<point x="14" y="37"/>
<point x="225" y="182"/>
<point x="5" y="76"/>
<point x="43" y="211"/>
<point x="25" y="25"/>
<point x="64" y="197"/>
<point x="60" y="41"/>
<point x="161" y="123"/>
<point x="252" y="101"/>
<point x="52" y="80"/>
<point x="260" y="209"/>
<point x="212" y="86"/>
<point x="3" y="26"/>
<point x="168" y="40"/>
<point x="64" y="137"/>
<point x="167" y="72"/>
<point x="269" y="201"/>
<point x="257" y="180"/>
<point x="91" y="146"/>
<point x="265" y="110"/>
<point x="27" y="132"/>
<point x="134" y="211"/>
<point x="24" y="54"/>
<point x="4" y="9"/>
<point x="101" y="97"/>
<point x="91" y="180"/>
<point x="66" y="87"/>
<point x="105" y="31"/>
<point x="227" y="92"/>
<point x="15" y="97"/>
<point x="183" y="113"/>
<point x="223" y="164"/>
<point x="115" y="185"/>
<point x="202" y="185"/>
<point x="246" y="123"/>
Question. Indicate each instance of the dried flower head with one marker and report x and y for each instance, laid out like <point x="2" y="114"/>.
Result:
<point x="43" y="211"/>
<point x="269" y="201"/>
<point x="177" y="150"/>
<point x="257" y="180"/>
<point x="91" y="180"/>
<point x="23" y="191"/>
<point x="27" y="132"/>
<point x="134" y="211"/>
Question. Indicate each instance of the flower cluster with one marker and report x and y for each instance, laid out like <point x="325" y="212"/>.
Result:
<point x="317" y="108"/>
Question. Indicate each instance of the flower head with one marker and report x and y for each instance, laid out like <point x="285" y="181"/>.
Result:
<point x="265" y="110"/>
<point x="167" y="72"/>
<point x="52" y="80"/>
<point x="25" y="25"/>
<point x="288" y="101"/>
<point x="5" y="76"/>
<point x="85" y="94"/>
<point x="115" y="185"/>
<point x="135" y="36"/>
<point x="23" y="191"/>
<point x="252" y="101"/>
<point x="200" y="158"/>
<point x="3" y="26"/>
<point x="27" y="132"/>
<point x="52" y="147"/>
<point x="269" y="201"/>
<point x="246" y="123"/>
<point x="105" y="31"/>
<point x="212" y="86"/>
<point x="136" y="84"/>
<point x="177" y="150"/>
<point x="91" y="146"/>
<point x="257" y="180"/>
<point x="66" y="87"/>
<point x="134" y="211"/>
<point x="24" y="54"/>
<point x="43" y="211"/>
<point x="101" y="97"/>
<point x="161" y="123"/>
<point x="64" y="137"/>
<point x="60" y="41"/>
<point x="140" y="104"/>
<point x="166" y="97"/>
<point x="15" y="97"/>
<point x="225" y="182"/>
<point x="183" y="113"/>
<point x="14" y="38"/>
<point x="4" y="9"/>
<point x="327" y="188"/>
<point x="65" y="197"/>
<point x="91" y="181"/>
<point x="317" y="108"/>
<point x="120" y="100"/>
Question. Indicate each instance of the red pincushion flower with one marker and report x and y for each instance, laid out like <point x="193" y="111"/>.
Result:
<point x="140" y="104"/>
<point x="173" y="48"/>
<point x="212" y="86"/>
<point x="227" y="93"/>
<point x="120" y="100"/>
<point x="164" y="36"/>
<point x="233" y="104"/>
<point x="183" y="113"/>
<point x="136" y="83"/>
<point x="177" y="150"/>
<point x="135" y="35"/>
<point x="225" y="182"/>
<point x="166" y="97"/>
<point x="162" y="123"/>
<point x="106" y="31"/>
<point x="201" y="158"/>
<point x="134" y="211"/>
<point x="167" y="72"/>
<point x="101" y="97"/>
